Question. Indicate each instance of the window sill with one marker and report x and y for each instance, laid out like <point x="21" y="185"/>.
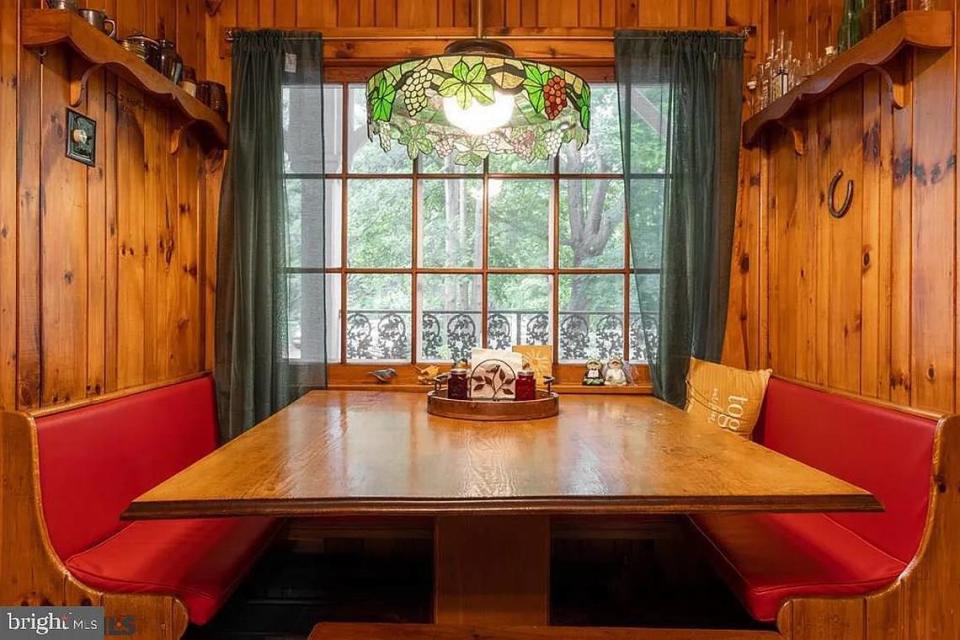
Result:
<point x="357" y="377"/>
<point x="562" y="389"/>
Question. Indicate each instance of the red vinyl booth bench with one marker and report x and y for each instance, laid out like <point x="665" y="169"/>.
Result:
<point x="768" y="559"/>
<point x="94" y="460"/>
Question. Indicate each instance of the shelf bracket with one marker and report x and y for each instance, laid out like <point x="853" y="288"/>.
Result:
<point x="797" y="134"/>
<point x="176" y="136"/>
<point x="80" y="72"/>
<point x="891" y="74"/>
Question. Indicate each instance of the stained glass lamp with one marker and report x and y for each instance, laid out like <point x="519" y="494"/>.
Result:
<point x="475" y="100"/>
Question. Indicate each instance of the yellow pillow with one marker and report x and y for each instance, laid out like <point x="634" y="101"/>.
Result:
<point x="725" y="396"/>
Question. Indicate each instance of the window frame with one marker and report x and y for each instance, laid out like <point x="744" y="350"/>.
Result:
<point x="568" y="371"/>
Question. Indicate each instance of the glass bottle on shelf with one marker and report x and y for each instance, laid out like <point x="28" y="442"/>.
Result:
<point x="849" y="32"/>
<point x="784" y="69"/>
<point x="753" y="86"/>
<point x="829" y="53"/>
<point x="887" y="10"/>
<point x="809" y="66"/>
<point x="771" y="68"/>
<point x="763" y="92"/>
<point x="869" y="20"/>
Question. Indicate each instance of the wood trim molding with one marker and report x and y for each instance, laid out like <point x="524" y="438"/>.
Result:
<point x="31" y="572"/>
<point x="366" y="45"/>
<point x="114" y="395"/>
<point x="875" y="402"/>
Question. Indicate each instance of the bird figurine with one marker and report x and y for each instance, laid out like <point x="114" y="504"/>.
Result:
<point x="384" y="376"/>
<point x="427" y="374"/>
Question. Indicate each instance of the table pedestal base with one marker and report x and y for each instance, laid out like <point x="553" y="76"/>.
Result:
<point x="492" y="570"/>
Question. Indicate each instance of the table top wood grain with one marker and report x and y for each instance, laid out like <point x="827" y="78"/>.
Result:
<point x="368" y="453"/>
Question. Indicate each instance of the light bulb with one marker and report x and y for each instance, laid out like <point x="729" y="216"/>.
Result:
<point x="478" y="119"/>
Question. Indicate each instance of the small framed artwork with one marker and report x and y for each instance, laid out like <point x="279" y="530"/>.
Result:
<point x="81" y="138"/>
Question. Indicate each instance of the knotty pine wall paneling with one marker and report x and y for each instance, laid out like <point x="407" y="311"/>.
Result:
<point x="432" y="14"/>
<point x="9" y="77"/>
<point x="747" y="304"/>
<point x="100" y="267"/>
<point x="865" y="304"/>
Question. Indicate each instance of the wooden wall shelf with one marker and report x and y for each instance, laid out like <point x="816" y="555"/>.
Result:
<point x="49" y="27"/>
<point x="876" y="52"/>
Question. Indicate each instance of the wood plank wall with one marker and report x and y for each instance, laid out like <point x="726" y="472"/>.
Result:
<point x="100" y="268"/>
<point x="327" y="14"/>
<point x="865" y="304"/>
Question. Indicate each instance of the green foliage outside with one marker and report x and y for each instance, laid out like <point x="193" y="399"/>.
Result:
<point x="592" y="220"/>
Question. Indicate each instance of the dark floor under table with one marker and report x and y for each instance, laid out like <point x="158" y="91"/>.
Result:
<point x="594" y="582"/>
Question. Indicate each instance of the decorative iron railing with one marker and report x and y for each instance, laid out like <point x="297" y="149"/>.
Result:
<point x="449" y="335"/>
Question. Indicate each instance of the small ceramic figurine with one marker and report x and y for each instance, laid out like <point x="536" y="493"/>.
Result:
<point x="615" y="375"/>
<point x="427" y="374"/>
<point x="384" y="376"/>
<point x="593" y="376"/>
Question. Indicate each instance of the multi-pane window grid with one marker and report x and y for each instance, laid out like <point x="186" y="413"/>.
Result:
<point x="515" y="254"/>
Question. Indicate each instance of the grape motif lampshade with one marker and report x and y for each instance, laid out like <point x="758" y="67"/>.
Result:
<point x="475" y="100"/>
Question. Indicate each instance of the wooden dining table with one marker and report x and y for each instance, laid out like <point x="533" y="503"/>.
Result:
<point x="490" y="487"/>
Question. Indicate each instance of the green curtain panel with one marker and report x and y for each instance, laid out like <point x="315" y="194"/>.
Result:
<point x="680" y="108"/>
<point x="259" y="365"/>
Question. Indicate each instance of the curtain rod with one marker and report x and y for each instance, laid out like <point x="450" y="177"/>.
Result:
<point x="738" y="33"/>
<point x="742" y="34"/>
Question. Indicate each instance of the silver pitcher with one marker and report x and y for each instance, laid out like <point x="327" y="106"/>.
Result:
<point x="63" y="5"/>
<point x="100" y="21"/>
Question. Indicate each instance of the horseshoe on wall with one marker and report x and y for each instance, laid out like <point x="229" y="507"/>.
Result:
<point x="832" y="197"/>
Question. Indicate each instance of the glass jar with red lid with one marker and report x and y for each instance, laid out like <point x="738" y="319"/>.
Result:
<point x="526" y="385"/>
<point x="457" y="385"/>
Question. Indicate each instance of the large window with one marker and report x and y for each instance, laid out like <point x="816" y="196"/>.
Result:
<point x="423" y="260"/>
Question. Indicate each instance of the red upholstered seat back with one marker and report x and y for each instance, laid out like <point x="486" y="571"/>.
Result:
<point x="94" y="460"/>
<point x="887" y="452"/>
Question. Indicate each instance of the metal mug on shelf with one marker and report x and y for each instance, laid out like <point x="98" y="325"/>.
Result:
<point x="63" y="5"/>
<point x="218" y="98"/>
<point x="214" y="95"/>
<point x="147" y="49"/>
<point x="203" y="92"/>
<point x="170" y="62"/>
<point x="99" y="20"/>
<point x="188" y="80"/>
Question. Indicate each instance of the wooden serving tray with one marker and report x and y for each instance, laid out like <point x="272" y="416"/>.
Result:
<point x="546" y="405"/>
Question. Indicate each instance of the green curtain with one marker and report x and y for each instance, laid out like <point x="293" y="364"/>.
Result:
<point x="254" y="371"/>
<point x="680" y="108"/>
